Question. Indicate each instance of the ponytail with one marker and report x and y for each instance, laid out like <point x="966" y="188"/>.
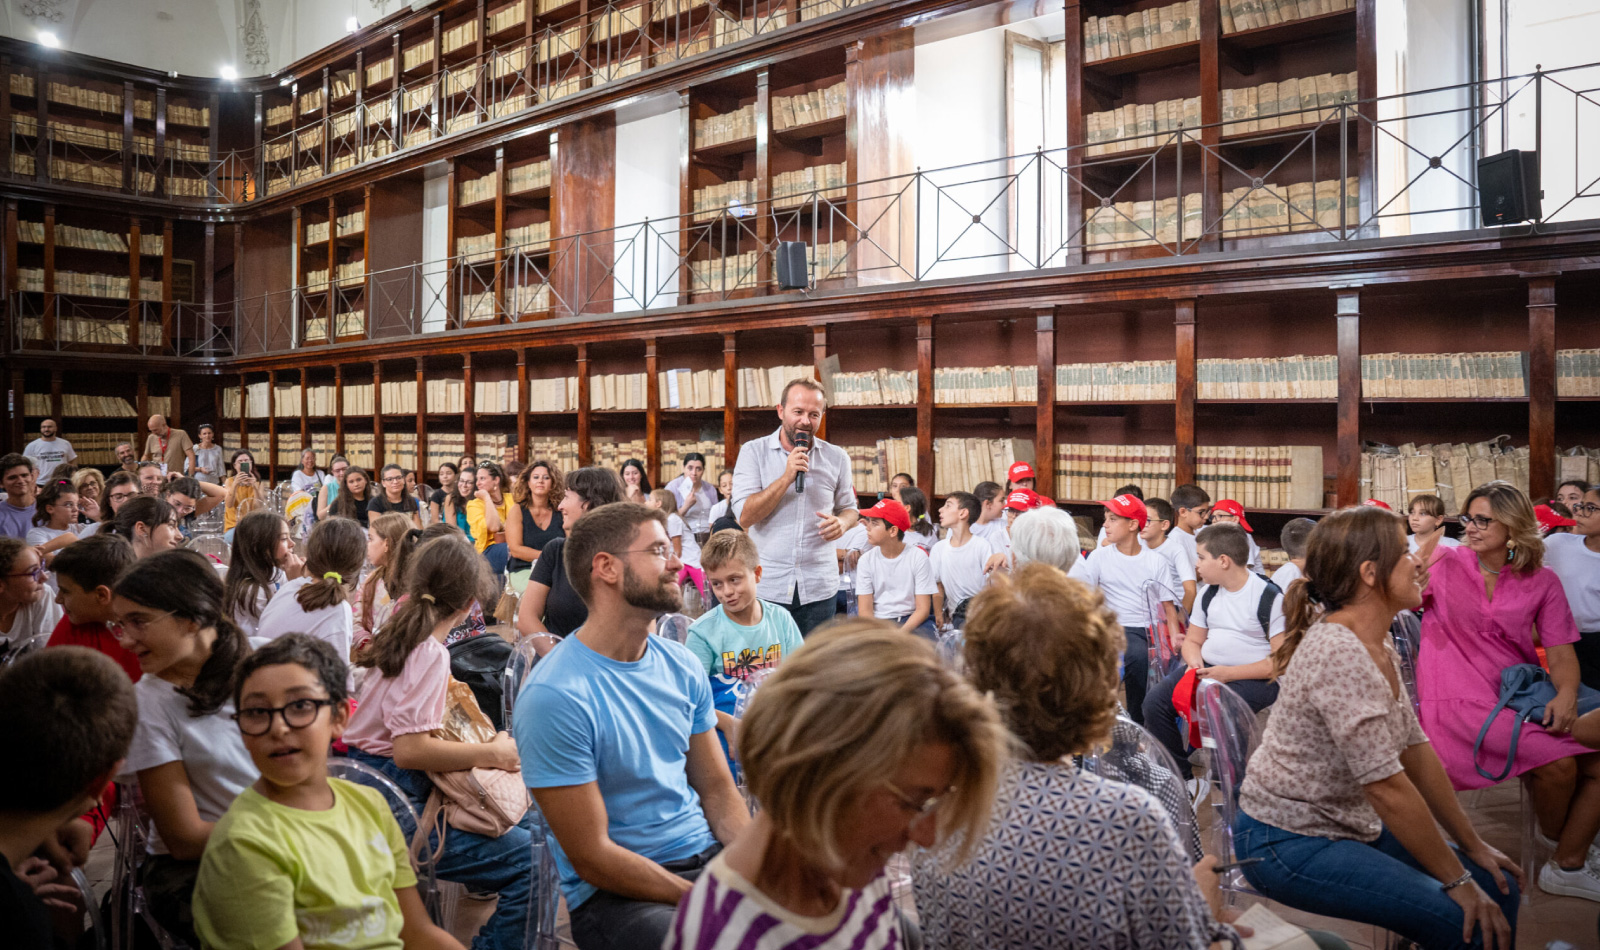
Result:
<point x="184" y="584"/>
<point x="446" y="575"/>
<point x="335" y="553"/>
<point x="1300" y="611"/>
<point x="1335" y="551"/>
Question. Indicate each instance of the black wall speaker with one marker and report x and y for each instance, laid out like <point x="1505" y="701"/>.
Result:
<point x="1508" y="187"/>
<point x="791" y="266"/>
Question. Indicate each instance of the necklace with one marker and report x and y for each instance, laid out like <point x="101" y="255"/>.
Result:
<point x="1488" y="568"/>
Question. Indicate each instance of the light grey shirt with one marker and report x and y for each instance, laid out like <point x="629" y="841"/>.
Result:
<point x="49" y="455"/>
<point x="699" y="517"/>
<point x="793" y="555"/>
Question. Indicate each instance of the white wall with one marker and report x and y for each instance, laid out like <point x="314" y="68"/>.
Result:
<point x="435" y="247"/>
<point x="647" y="187"/>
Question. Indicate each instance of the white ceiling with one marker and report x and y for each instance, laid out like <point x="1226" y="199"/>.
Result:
<point x="192" y="37"/>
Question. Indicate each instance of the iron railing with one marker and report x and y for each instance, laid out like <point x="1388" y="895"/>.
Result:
<point x="1332" y="172"/>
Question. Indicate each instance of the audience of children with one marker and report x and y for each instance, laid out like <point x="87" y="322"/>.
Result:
<point x="390" y="541"/>
<point x="261" y="561"/>
<point x="318" y="601"/>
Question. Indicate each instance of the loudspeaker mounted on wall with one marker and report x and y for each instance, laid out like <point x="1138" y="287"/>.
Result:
<point x="1508" y="187"/>
<point x="791" y="266"/>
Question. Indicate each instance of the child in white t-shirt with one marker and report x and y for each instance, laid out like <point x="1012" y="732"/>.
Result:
<point x="683" y="541"/>
<point x="1236" y="625"/>
<point x="958" y="560"/>
<point x="894" y="580"/>
<point x="1190" y="508"/>
<point x="1293" y="538"/>
<point x="1228" y="511"/>
<point x="992" y="523"/>
<point x="1426" y="519"/>
<point x="1157" y="536"/>
<point x="318" y="601"/>
<point x="1132" y="577"/>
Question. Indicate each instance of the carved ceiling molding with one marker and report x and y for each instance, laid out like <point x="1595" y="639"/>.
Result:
<point x="256" y="52"/>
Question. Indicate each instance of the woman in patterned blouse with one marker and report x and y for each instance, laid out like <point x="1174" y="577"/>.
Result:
<point x="1344" y="799"/>
<point x="1072" y="860"/>
<point x="861" y="743"/>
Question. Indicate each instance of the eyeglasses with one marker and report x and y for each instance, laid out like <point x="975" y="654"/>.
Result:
<point x="661" y="551"/>
<point x="394" y="478"/>
<point x="181" y="508"/>
<point x="134" y="625"/>
<point x="1584" y="508"/>
<point x="37" y="573"/>
<point x="1479" y="521"/>
<point x="122" y="495"/>
<point x="920" y="810"/>
<point x="257" y="720"/>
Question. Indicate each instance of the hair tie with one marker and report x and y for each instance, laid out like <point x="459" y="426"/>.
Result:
<point x="334" y="576"/>
<point x="414" y="535"/>
<point x="427" y="597"/>
<point x="1312" y="594"/>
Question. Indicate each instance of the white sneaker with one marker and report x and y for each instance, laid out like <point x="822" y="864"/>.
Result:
<point x="1199" y="791"/>
<point x="1584" y="882"/>
<point x="1590" y="861"/>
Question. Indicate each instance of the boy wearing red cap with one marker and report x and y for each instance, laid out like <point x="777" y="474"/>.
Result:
<point x="1228" y="511"/>
<point x="1131" y="576"/>
<point x="894" y="580"/>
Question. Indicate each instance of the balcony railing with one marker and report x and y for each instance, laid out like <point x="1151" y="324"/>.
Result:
<point x="1394" y="166"/>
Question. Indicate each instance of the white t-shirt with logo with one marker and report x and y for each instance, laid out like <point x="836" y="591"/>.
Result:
<point x="1233" y="626"/>
<point x="895" y="583"/>
<point x="960" y="570"/>
<point x="1124" y="579"/>
<point x="1579" y="570"/>
<point x="49" y="455"/>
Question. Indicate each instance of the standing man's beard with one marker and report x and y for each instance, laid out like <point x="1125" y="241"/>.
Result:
<point x="663" y="595"/>
<point x="789" y="434"/>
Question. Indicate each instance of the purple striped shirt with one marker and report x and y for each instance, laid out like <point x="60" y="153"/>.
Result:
<point x="723" y="911"/>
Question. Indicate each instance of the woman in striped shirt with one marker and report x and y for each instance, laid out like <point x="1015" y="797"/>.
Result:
<point x="859" y="744"/>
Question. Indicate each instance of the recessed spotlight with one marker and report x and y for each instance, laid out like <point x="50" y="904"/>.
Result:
<point x="229" y="73"/>
<point x="351" y="25"/>
<point x="47" y="38"/>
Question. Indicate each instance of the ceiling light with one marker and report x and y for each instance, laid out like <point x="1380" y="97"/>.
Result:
<point x="351" y="25"/>
<point x="229" y="73"/>
<point x="47" y="38"/>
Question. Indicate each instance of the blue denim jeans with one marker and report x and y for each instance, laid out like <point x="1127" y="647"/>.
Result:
<point x="1376" y="882"/>
<point x="1136" y="671"/>
<point x="809" y="617"/>
<point x="503" y="865"/>
<point x="1161" y="717"/>
<point x="926" y="630"/>
<point x="498" y="556"/>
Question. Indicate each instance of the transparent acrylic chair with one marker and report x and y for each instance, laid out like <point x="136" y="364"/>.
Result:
<point x="1135" y="757"/>
<point x="130" y="827"/>
<point x="952" y="649"/>
<point x="674" y="627"/>
<point x="211" y="545"/>
<point x="540" y="931"/>
<point x="1161" y="651"/>
<point x="440" y="904"/>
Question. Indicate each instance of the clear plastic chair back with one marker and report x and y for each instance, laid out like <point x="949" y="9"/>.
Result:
<point x="1135" y="757"/>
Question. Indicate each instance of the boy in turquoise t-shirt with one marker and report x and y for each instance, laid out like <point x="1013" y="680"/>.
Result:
<point x="300" y="856"/>
<point x="743" y="636"/>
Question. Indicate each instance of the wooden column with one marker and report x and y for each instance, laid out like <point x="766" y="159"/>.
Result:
<point x="1183" y="434"/>
<point x="168" y="335"/>
<point x="305" y="413"/>
<point x="338" y="409"/>
<point x="1044" y="434"/>
<point x="56" y="409"/>
<point x="1541" y="386"/>
<point x="15" y="402"/>
<point x="377" y="413"/>
<point x="652" y="414"/>
<point x="272" y="426"/>
<point x="819" y="355"/>
<point x="1210" y="182"/>
<point x="244" y="414"/>
<point x="1347" y="474"/>
<point x="175" y="412"/>
<point x="135" y="339"/>
<point x="522" y="406"/>
<point x="49" y="324"/>
<point x="422" y="416"/>
<point x="469" y="428"/>
<point x="730" y="403"/>
<point x="924" y="406"/>
<point x="584" y="454"/>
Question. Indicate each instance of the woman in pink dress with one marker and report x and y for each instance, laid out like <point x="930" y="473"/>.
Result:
<point x="1482" y="604"/>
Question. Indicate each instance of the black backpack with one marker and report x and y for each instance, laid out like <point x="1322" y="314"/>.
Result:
<point x="479" y="662"/>
<point x="1263" y="609"/>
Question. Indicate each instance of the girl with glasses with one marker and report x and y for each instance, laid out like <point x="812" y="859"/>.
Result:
<point x="858" y="745"/>
<point x="28" y="612"/>
<point x="394" y="498"/>
<point x="299" y="855"/>
<point x="186" y="754"/>
<point x="1481" y="605"/>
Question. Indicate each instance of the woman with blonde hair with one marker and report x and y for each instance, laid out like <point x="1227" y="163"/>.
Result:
<point x="1345" y="798"/>
<point x="1047" y="649"/>
<point x="1482" y="603"/>
<point x="91" y="486"/>
<point x="859" y="744"/>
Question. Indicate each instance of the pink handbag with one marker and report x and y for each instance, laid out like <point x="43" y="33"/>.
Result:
<point x="487" y="802"/>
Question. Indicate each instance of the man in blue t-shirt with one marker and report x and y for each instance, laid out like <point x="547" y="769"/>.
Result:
<point x="615" y="729"/>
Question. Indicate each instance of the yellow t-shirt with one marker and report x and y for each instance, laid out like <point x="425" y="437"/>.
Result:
<point x="230" y="510"/>
<point x="272" y="873"/>
<point x="477" y="523"/>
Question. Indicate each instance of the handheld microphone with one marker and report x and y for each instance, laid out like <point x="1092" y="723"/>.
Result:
<point x="802" y="440"/>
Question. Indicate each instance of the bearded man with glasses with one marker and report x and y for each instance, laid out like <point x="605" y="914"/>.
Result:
<point x="616" y="732"/>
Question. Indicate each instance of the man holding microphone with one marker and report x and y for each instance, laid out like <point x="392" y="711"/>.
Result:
<point x="792" y="492"/>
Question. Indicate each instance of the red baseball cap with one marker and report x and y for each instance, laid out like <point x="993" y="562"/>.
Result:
<point x="1549" y="519"/>
<point x="887" y="509"/>
<point x="1230" y="507"/>
<point x="1022" y="499"/>
<point x="1375" y="503"/>
<point x="1018" y="471"/>
<point x="1129" y="507"/>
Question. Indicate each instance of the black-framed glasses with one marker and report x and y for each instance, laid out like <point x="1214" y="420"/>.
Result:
<point x="1584" y="508"/>
<point x="257" y="720"/>
<point x="1478" y="521"/>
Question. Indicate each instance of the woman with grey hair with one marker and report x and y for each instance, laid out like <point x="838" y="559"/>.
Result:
<point x="1049" y="536"/>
